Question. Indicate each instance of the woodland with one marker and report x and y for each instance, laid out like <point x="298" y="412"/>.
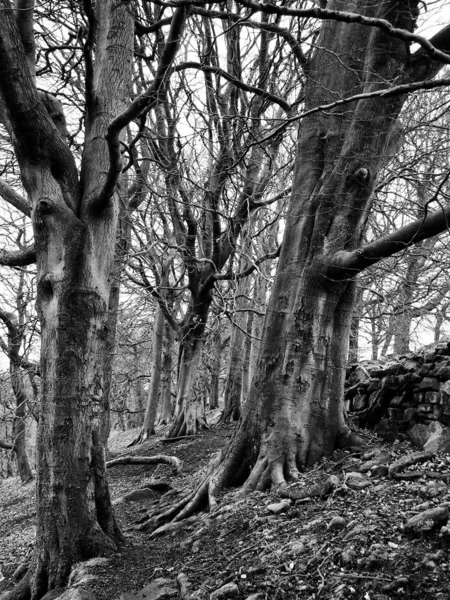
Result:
<point x="209" y="210"/>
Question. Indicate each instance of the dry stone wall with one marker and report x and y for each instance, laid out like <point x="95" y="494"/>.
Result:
<point x="409" y="396"/>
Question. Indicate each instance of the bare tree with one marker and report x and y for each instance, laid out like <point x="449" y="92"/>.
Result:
<point x="359" y="75"/>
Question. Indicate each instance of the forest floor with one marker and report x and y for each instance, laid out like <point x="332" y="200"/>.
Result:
<point x="349" y="542"/>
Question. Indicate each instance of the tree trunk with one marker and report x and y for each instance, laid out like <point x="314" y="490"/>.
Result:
<point x="189" y="414"/>
<point x="148" y="426"/>
<point x="233" y="388"/>
<point x="166" y="375"/>
<point x="75" y="220"/>
<point x="215" y="368"/>
<point x="295" y="411"/>
<point x="19" y="427"/>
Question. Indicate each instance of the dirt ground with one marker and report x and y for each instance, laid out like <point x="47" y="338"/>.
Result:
<point x="349" y="542"/>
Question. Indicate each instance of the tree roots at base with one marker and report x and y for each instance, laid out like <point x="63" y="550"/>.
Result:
<point x="221" y="473"/>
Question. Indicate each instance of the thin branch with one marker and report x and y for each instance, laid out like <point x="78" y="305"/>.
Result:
<point x="140" y="106"/>
<point x="253" y="267"/>
<point x="237" y="82"/>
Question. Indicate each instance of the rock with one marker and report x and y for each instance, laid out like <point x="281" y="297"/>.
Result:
<point x="357" y="481"/>
<point x="418" y="435"/>
<point x="430" y="383"/>
<point x="158" y="589"/>
<point x="140" y="495"/>
<point x="427" y="520"/>
<point x="76" y="594"/>
<point x="381" y="459"/>
<point x="439" y="441"/>
<point x="355" y="532"/>
<point x="380" y="471"/>
<point x="409" y="414"/>
<point x="257" y="596"/>
<point x="348" y="556"/>
<point x="408" y="460"/>
<point x="296" y="547"/>
<point x="337" y="523"/>
<point x="409" y="475"/>
<point x="278" y="507"/>
<point x="229" y="590"/>
<point x="81" y="573"/>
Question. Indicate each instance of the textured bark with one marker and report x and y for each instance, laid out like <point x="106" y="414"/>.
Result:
<point x="75" y="233"/>
<point x="148" y="426"/>
<point x="233" y="388"/>
<point x="215" y="368"/>
<point x="166" y="375"/>
<point x="295" y="413"/>
<point x="189" y="414"/>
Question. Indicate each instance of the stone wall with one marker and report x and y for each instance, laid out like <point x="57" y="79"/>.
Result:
<point x="409" y="396"/>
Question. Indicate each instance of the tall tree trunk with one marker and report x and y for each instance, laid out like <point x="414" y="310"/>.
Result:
<point x="166" y="374"/>
<point x="75" y="233"/>
<point x="19" y="427"/>
<point x="295" y="411"/>
<point x="148" y="426"/>
<point x="233" y="388"/>
<point x="189" y="415"/>
<point x="215" y="368"/>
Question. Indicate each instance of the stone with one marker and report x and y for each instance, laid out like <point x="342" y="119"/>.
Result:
<point x="412" y="365"/>
<point x="427" y="520"/>
<point x="360" y="402"/>
<point x="395" y="414"/>
<point x="409" y="414"/>
<point x="158" y="589"/>
<point x="348" y="556"/>
<point x="76" y="594"/>
<point x="439" y="441"/>
<point x="425" y="369"/>
<point x="432" y="397"/>
<point x="374" y="384"/>
<point x="278" y="507"/>
<point x="409" y="475"/>
<point x="418" y="435"/>
<point x="337" y="523"/>
<point x="258" y="596"/>
<point x="229" y="590"/>
<point x="380" y="471"/>
<point x="357" y="481"/>
<point x="443" y="372"/>
<point x="395" y="369"/>
<point x="430" y="383"/>
<point x="296" y="547"/>
<point x="380" y="459"/>
<point x="396" y="401"/>
<point x="408" y="460"/>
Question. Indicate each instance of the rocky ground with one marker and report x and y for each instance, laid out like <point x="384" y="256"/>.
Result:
<point x="367" y="524"/>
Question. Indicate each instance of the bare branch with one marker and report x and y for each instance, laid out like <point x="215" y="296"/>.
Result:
<point x="253" y="267"/>
<point x="140" y="106"/>
<point x="14" y="198"/>
<point x="237" y="82"/>
<point x="348" y="264"/>
<point x="18" y="258"/>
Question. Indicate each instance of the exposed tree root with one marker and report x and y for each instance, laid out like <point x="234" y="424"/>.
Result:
<point x="275" y="467"/>
<point x="147" y="460"/>
<point x="187" y="424"/>
<point x="142" y="437"/>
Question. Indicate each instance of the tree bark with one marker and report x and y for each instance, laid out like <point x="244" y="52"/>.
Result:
<point x="148" y="426"/>
<point x="166" y="375"/>
<point x="75" y="233"/>
<point x="295" y="412"/>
